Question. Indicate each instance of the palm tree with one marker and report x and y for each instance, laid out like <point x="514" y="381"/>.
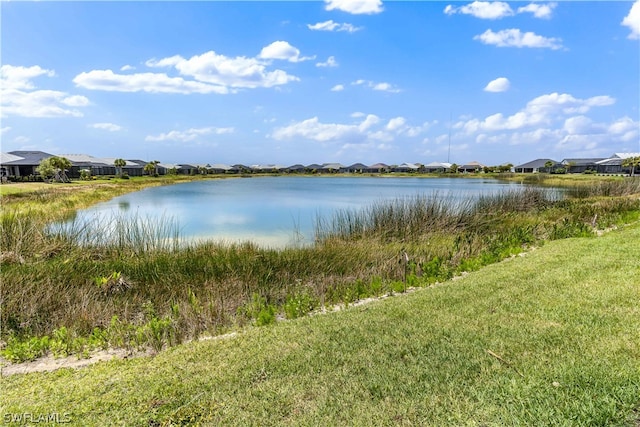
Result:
<point x="548" y="165"/>
<point x="119" y="164"/>
<point x="149" y="168"/>
<point x="62" y="164"/>
<point x="155" y="164"/>
<point x="631" y="162"/>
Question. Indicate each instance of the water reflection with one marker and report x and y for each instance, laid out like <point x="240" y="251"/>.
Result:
<point x="270" y="211"/>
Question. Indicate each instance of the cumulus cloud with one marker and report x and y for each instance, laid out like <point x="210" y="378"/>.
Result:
<point x="331" y="62"/>
<point x="5" y="129"/>
<point x="366" y="130"/>
<point x="542" y="110"/>
<point x="501" y="84"/>
<point x="189" y="135"/>
<point x="625" y="128"/>
<point x="20" y="97"/>
<point x="632" y="20"/>
<point x="482" y="9"/>
<point x="337" y="88"/>
<point x="543" y="11"/>
<point x="333" y="26"/>
<point x="282" y="50"/>
<point x="106" y="126"/>
<point x="498" y="10"/>
<point x="513" y="37"/>
<point x="578" y="125"/>
<point x="322" y="132"/>
<point x="127" y="68"/>
<point x="18" y="77"/>
<point x="238" y="72"/>
<point x="356" y="7"/>
<point x="382" y="86"/>
<point x="207" y="73"/>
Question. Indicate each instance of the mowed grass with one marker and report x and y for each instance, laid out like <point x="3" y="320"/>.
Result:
<point x="550" y="338"/>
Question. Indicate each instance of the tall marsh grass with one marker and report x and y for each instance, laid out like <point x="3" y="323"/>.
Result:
<point x="82" y="279"/>
<point x="118" y="232"/>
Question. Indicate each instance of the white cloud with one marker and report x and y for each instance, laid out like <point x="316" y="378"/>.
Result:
<point x="106" y="126"/>
<point x="499" y="10"/>
<point x="625" y="128"/>
<point x="515" y="38"/>
<point x="314" y="130"/>
<point x="239" y="72"/>
<point x="543" y="11"/>
<point x="356" y="7"/>
<point x="19" y="96"/>
<point x="578" y="125"/>
<point x="482" y="9"/>
<point x="18" y="77"/>
<point x="382" y="86"/>
<point x="282" y="50"/>
<point x="396" y="123"/>
<point x="127" y="68"/>
<point x="337" y="88"/>
<point x="501" y="84"/>
<point x="5" y="129"/>
<point x="333" y="26"/>
<point x="632" y="20"/>
<point x="367" y="130"/>
<point x="75" y="101"/>
<point x="211" y="73"/>
<point x="107" y="80"/>
<point x="542" y="110"/>
<point x="189" y="135"/>
<point x="331" y="62"/>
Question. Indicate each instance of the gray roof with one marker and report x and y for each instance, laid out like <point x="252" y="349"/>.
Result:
<point x="8" y="158"/>
<point x="358" y="166"/>
<point x="29" y="158"/>
<point x="379" y="166"/>
<point x="582" y="162"/>
<point x="535" y="164"/>
<point x="626" y="155"/>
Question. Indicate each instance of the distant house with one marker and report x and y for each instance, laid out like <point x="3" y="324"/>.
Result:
<point x="130" y="168"/>
<point x="580" y="165"/>
<point x="332" y="168"/>
<point x="218" y="168"/>
<point x="241" y="168"/>
<point x="8" y="166"/>
<point x="471" y="167"/>
<point x="534" y="166"/>
<point x="406" y="167"/>
<point x="23" y="164"/>
<point x="437" y="167"/>
<point x="314" y="168"/>
<point x="613" y="165"/>
<point x="356" y="168"/>
<point x="298" y="168"/>
<point x="378" y="168"/>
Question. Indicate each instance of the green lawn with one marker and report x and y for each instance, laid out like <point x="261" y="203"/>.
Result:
<point x="551" y="338"/>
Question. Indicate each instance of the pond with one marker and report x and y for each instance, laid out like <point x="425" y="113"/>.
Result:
<point x="269" y="211"/>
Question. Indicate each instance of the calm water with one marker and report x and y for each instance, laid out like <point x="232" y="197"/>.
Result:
<point x="271" y="211"/>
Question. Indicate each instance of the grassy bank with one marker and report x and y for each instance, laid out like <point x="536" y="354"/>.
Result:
<point x="550" y="338"/>
<point x="66" y="298"/>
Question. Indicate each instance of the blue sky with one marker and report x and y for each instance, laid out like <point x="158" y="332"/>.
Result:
<point x="322" y="81"/>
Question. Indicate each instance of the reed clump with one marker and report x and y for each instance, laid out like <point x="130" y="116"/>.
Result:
<point x="134" y="283"/>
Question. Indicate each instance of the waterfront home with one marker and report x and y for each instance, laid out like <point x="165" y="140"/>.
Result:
<point x="535" y="166"/>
